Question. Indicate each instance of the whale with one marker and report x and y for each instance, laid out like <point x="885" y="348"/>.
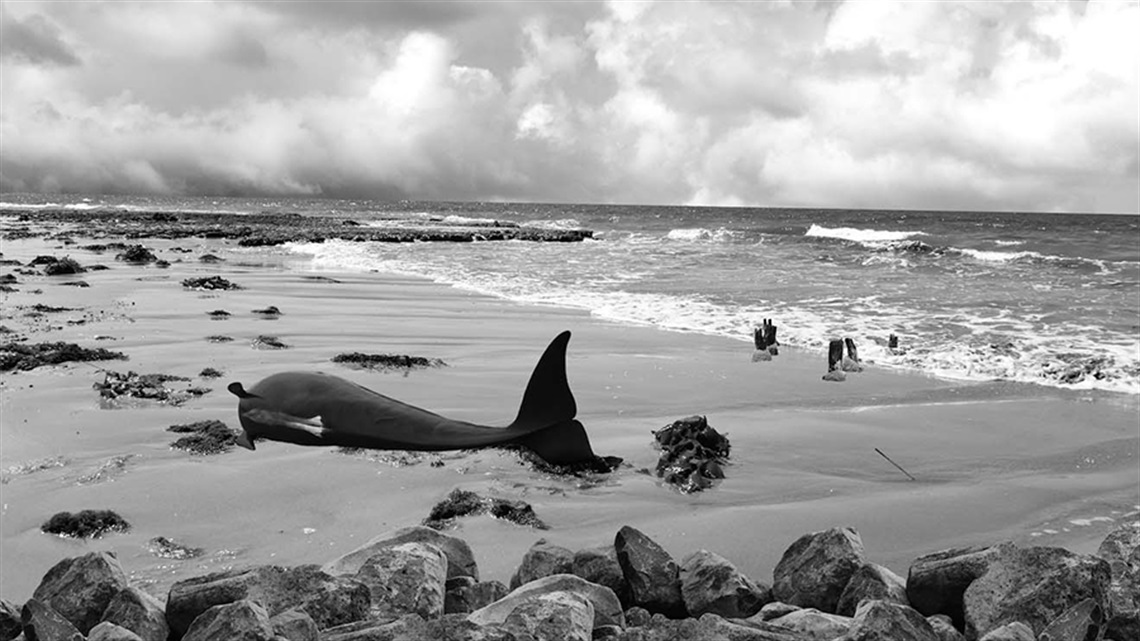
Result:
<point x="319" y="409"/>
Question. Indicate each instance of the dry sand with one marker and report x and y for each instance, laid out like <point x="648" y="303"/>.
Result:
<point x="994" y="461"/>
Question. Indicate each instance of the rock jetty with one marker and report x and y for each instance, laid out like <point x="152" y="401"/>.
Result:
<point x="255" y="230"/>
<point x="420" y="584"/>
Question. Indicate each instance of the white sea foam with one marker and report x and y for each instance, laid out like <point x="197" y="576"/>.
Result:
<point x="695" y="234"/>
<point x="561" y="224"/>
<point x="998" y="257"/>
<point x="1000" y="345"/>
<point x="860" y="235"/>
<point x="1008" y="243"/>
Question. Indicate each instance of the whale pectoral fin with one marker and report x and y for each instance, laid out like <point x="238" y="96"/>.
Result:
<point x="312" y="425"/>
<point x="245" y="441"/>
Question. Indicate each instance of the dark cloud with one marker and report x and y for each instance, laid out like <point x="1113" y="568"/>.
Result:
<point x="34" y="40"/>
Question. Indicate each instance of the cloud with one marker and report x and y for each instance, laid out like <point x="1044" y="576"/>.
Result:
<point x="34" y="40"/>
<point x="898" y="105"/>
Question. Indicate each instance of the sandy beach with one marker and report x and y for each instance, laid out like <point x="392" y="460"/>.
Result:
<point x="993" y="461"/>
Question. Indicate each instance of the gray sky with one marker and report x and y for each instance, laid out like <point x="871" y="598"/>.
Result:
<point x="957" y="105"/>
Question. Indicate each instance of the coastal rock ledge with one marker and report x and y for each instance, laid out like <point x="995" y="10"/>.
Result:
<point x="417" y="584"/>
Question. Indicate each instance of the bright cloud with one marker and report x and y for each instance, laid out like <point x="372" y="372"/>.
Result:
<point x="860" y="104"/>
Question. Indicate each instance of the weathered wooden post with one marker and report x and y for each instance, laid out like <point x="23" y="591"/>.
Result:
<point x="851" y="363"/>
<point x="893" y="342"/>
<point x="770" y="337"/>
<point x="834" y="359"/>
<point x="760" y="338"/>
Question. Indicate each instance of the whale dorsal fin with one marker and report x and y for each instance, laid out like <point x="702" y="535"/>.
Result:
<point x="548" y="399"/>
<point x="237" y="390"/>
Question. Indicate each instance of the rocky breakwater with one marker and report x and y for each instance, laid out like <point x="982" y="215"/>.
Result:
<point x="419" y="584"/>
<point x="253" y="230"/>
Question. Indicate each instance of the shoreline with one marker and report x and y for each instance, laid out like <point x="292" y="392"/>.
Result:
<point x="801" y="460"/>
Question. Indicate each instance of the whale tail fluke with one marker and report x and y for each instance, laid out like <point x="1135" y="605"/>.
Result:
<point x="548" y="410"/>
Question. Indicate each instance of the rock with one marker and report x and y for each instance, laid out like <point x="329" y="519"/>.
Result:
<point x="65" y="265"/>
<point x="710" y="583"/>
<point x="460" y="560"/>
<point x="408" y="628"/>
<point x="944" y="627"/>
<point x="813" y="572"/>
<point x="295" y="625"/>
<point x="465" y="595"/>
<point x="10" y="624"/>
<point x="1121" y="548"/>
<point x="1033" y="585"/>
<point x="138" y="612"/>
<point x="774" y="610"/>
<point x="871" y="581"/>
<point x="937" y="582"/>
<point x="107" y="631"/>
<point x="607" y="608"/>
<point x="517" y="512"/>
<point x="136" y="254"/>
<point x="329" y="600"/>
<point x="541" y="560"/>
<point x="886" y="621"/>
<point x="209" y="283"/>
<point x="653" y="576"/>
<point x="1082" y="622"/>
<point x="80" y="588"/>
<point x="405" y="579"/>
<point x="835" y="376"/>
<point x="815" y="625"/>
<point x="600" y="565"/>
<point x="555" y="616"/>
<point x="41" y="623"/>
<point x="636" y="617"/>
<point x="761" y="355"/>
<point x="165" y="548"/>
<point x="1016" y="631"/>
<point x="244" y="620"/>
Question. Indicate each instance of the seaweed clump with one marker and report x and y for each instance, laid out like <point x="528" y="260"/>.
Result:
<point x="359" y="360"/>
<point x="209" y="283"/>
<point x="165" y="548"/>
<point x="85" y="524"/>
<point x="466" y="503"/>
<point x="19" y="356"/>
<point x="136" y="254"/>
<point x="692" y="454"/>
<point x="204" y="437"/>
<point x="145" y="386"/>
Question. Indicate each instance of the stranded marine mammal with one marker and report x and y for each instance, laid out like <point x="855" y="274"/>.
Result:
<point x="309" y="408"/>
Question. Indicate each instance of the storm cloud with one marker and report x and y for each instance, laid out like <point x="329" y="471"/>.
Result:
<point x="1006" y="106"/>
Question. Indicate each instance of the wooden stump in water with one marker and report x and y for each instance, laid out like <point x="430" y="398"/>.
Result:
<point x="770" y="336"/>
<point x="834" y="359"/>
<point x="851" y="363"/>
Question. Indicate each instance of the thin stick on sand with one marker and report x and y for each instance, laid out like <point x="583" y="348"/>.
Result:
<point x="895" y="464"/>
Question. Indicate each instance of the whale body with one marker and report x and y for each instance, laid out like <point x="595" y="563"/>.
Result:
<point x="312" y="408"/>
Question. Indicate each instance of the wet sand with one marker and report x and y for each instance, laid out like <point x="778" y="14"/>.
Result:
<point x="993" y="461"/>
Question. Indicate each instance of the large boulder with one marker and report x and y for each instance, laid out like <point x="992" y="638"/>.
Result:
<point x="937" y="582"/>
<point x="871" y="582"/>
<point x="460" y="560"/>
<point x="710" y="583"/>
<point x="815" y="625"/>
<point x="709" y="627"/>
<point x="107" y="631"/>
<point x="607" y="608"/>
<point x="329" y="600"/>
<point x="405" y="579"/>
<point x="542" y="559"/>
<point x="41" y="623"/>
<point x="887" y="621"/>
<point x="653" y="576"/>
<point x="813" y="572"/>
<point x="244" y="620"/>
<point x="80" y="588"/>
<point x="555" y="616"/>
<point x="600" y="565"/>
<point x="138" y="612"/>
<point x="465" y="595"/>
<point x="1034" y="586"/>
<point x="1121" y="548"/>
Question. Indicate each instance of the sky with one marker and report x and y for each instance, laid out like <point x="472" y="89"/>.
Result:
<point x="1010" y="106"/>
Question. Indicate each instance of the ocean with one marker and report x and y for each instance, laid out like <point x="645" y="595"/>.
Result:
<point x="1045" y="299"/>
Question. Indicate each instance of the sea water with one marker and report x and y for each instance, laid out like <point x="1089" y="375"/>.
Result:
<point x="1050" y="299"/>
